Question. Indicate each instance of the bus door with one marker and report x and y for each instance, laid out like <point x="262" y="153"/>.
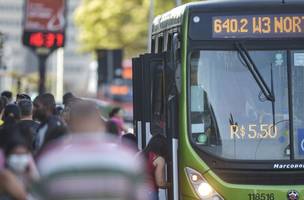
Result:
<point x="159" y="120"/>
<point x="172" y="136"/>
<point x="164" y="113"/>
<point x="172" y="90"/>
<point x="146" y="103"/>
<point x="137" y="97"/>
<point x="150" y="115"/>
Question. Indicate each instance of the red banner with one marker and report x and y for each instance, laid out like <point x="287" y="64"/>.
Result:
<point x="45" y="15"/>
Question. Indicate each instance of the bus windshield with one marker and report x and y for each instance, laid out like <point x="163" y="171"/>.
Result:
<point x="231" y="117"/>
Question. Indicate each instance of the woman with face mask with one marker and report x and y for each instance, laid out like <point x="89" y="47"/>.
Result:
<point x="17" y="169"/>
<point x="20" y="161"/>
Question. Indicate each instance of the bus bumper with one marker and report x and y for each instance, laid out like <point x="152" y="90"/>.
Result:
<point x="185" y="197"/>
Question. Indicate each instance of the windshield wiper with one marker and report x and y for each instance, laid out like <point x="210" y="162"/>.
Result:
<point x="255" y="72"/>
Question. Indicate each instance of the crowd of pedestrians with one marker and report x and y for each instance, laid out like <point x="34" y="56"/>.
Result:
<point x="70" y="151"/>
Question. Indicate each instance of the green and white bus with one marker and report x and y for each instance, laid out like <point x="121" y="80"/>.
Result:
<point x="224" y="82"/>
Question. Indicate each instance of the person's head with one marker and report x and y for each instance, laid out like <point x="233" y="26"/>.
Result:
<point x="84" y="117"/>
<point x="22" y="96"/>
<point x="67" y="108"/>
<point x="112" y="128"/>
<point x="17" y="154"/>
<point x="4" y="100"/>
<point x="44" y="107"/>
<point x="115" y="112"/>
<point x="11" y="114"/>
<point x="26" y="108"/>
<point x="8" y="95"/>
<point x="130" y="140"/>
<point x="157" y="145"/>
<point x="67" y="98"/>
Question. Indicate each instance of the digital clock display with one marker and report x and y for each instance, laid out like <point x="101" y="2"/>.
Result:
<point x="48" y="40"/>
<point x="258" y="26"/>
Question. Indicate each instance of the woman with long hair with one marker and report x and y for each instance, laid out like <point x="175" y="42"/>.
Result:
<point x="11" y="116"/>
<point x="116" y="116"/>
<point x="156" y="155"/>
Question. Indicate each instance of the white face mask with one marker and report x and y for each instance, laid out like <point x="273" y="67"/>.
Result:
<point x="18" y="162"/>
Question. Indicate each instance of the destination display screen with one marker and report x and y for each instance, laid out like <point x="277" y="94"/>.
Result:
<point x="258" y="26"/>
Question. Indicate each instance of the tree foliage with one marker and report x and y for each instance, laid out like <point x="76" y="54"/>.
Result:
<point x="110" y="24"/>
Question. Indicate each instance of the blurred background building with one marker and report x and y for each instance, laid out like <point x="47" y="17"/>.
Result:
<point x="19" y="65"/>
<point x="77" y="76"/>
<point x="13" y="53"/>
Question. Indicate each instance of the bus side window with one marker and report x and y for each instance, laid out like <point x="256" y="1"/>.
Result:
<point x="153" y="45"/>
<point x="160" y="44"/>
<point x="156" y="45"/>
<point x="158" y="101"/>
<point x="169" y="42"/>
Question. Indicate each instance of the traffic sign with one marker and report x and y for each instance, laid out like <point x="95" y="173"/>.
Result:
<point x="44" y="25"/>
<point x="44" y="30"/>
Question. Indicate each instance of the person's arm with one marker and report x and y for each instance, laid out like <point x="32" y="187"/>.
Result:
<point x="32" y="173"/>
<point x="10" y="184"/>
<point x="159" y="164"/>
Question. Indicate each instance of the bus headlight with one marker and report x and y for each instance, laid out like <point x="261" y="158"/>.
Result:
<point x="203" y="189"/>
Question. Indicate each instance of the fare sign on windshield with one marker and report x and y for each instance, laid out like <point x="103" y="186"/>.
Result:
<point x="258" y="26"/>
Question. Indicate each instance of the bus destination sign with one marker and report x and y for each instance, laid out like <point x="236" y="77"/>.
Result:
<point x="258" y="26"/>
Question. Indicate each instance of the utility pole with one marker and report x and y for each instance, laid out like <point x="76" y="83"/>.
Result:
<point x="59" y="74"/>
<point x="151" y="16"/>
<point x="42" y="72"/>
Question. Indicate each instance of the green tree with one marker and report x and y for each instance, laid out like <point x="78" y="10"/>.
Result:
<point x="116" y="24"/>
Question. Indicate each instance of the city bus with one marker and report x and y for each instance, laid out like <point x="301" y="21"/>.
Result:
<point x="224" y="82"/>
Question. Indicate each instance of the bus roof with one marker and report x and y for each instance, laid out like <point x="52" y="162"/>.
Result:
<point x="168" y="20"/>
<point x="174" y="17"/>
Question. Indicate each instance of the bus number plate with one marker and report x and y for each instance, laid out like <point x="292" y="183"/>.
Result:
<point x="261" y="196"/>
